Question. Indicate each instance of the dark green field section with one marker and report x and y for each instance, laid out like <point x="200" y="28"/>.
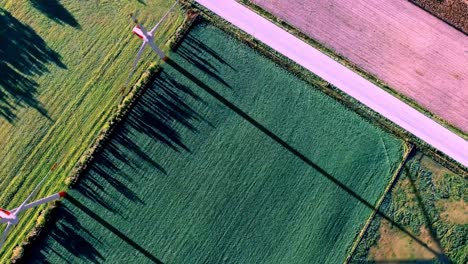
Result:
<point x="227" y="158"/>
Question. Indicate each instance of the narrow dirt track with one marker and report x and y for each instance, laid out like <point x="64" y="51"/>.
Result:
<point x="414" y="52"/>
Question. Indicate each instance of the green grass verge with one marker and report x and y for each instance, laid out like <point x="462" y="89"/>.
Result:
<point x="66" y="65"/>
<point x="189" y="177"/>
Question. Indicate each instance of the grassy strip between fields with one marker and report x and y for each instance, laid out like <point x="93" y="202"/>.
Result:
<point x="406" y="155"/>
<point x="342" y="60"/>
<point x="80" y="168"/>
<point x="329" y="89"/>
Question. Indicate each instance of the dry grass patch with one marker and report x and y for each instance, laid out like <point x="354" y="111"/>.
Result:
<point x="455" y="212"/>
<point x="394" y="245"/>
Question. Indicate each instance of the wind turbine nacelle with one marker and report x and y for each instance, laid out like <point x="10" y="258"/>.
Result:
<point x="137" y="31"/>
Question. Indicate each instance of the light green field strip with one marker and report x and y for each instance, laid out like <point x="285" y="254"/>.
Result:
<point x="96" y="49"/>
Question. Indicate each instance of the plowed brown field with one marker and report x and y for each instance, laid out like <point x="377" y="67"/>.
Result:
<point x="454" y="12"/>
<point x="415" y="53"/>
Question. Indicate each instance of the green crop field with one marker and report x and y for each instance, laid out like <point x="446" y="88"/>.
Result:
<point x="192" y="178"/>
<point x="62" y="65"/>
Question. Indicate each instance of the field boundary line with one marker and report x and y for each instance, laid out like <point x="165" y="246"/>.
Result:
<point x="408" y="150"/>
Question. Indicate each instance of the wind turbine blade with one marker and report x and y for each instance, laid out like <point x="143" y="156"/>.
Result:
<point x="5" y="233"/>
<point x="133" y="17"/>
<point x="164" y="17"/>
<point x="136" y="14"/>
<point x="20" y="208"/>
<point x="135" y="63"/>
<point x="47" y="199"/>
<point x="157" y="50"/>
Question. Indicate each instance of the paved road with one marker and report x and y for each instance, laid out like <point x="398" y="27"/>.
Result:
<point x="346" y="80"/>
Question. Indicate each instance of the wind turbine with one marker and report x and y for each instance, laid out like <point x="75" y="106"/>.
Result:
<point x="11" y="217"/>
<point x="148" y="39"/>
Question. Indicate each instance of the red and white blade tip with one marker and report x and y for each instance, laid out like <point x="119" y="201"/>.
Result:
<point x="62" y="194"/>
<point x="5" y="211"/>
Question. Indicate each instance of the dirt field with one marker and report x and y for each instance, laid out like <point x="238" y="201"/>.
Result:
<point x="394" y="245"/>
<point x="453" y="12"/>
<point x="414" y="52"/>
<point x="454" y="211"/>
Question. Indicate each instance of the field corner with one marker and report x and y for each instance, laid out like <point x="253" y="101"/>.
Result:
<point x="406" y="155"/>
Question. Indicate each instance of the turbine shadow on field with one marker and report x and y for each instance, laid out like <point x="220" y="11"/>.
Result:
<point x="295" y="152"/>
<point x="427" y="218"/>
<point x="23" y="54"/>
<point x="54" y="10"/>
<point x="112" y="229"/>
<point x="417" y="196"/>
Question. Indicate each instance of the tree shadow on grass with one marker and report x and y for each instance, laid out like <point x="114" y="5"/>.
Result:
<point x="23" y="54"/>
<point x="200" y="47"/>
<point x="54" y="10"/>
<point x="192" y="52"/>
<point x="158" y="114"/>
<point x="65" y="229"/>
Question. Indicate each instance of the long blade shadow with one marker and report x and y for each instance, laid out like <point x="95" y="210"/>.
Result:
<point x="295" y="152"/>
<point x="425" y="213"/>
<point x="114" y="230"/>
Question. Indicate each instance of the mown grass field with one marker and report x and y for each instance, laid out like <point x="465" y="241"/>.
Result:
<point x="191" y="178"/>
<point x="429" y="201"/>
<point x="62" y="65"/>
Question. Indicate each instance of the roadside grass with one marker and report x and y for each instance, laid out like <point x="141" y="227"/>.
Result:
<point x="227" y="157"/>
<point x="62" y="67"/>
